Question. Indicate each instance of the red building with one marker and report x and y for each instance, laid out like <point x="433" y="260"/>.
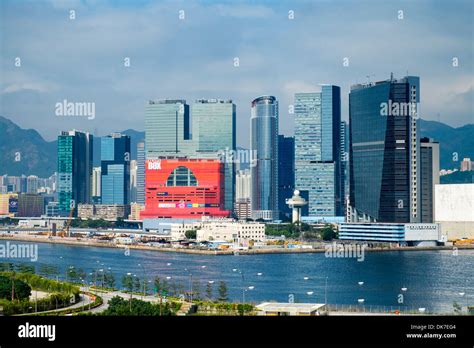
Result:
<point x="184" y="188"/>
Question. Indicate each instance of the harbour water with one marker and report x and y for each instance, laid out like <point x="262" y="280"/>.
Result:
<point x="430" y="279"/>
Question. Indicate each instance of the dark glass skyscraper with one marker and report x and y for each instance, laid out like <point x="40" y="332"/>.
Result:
<point x="115" y="169"/>
<point x="264" y="142"/>
<point x="286" y="174"/>
<point x="74" y="170"/>
<point x="318" y="150"/>
<point x="383" y="151"/>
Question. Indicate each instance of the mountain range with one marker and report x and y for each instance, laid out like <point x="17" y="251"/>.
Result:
<point x="24" y="151"/>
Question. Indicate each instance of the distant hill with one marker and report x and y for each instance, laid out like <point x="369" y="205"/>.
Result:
<point x="458" y="178"/>
<point x="451" y="140"/>
<point x="24" y="151"/>
<point x="38" y="156"/>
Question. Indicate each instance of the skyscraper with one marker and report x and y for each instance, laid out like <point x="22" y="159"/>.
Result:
<point x="214" y="132"/>
<point x="32" y="184"/>
<point x="429" y="177"/>
<point x="115" y="169"/>
<point x="74" y="169"/>
<point x="286" y="174"/>
<point x="133" y="181"/>
<point x="96" y="179"/>
<point x="383" y="151"/>
<point x="166" y="128"/>
<point x="264" y="141"/>
<point x="141" y="172"/>
<point x="344" y="160"/>
<point x="318" y="150"/>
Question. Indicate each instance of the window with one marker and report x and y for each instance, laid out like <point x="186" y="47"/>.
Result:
<point x="181" y="176"/>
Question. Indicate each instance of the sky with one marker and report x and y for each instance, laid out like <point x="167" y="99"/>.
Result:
<point x="189" y="50"/>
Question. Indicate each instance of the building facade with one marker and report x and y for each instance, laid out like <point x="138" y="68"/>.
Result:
<point x="318" y="150"/>
<point x="167" y="128"/>
<point x="415" y="234"/>
<point x="30" y="205"/>
<point x="264" y="143"/>
<point x="384" y="148"/>
<point x="214" y="132"/>
<point x="74" y="170"/>
<point x="115" y="169"/>
<point x="141" y="173"/>
<point x="286" y="174"/>
<point x="429" y="177"/>
<point x="454" y="210"/>
<point x="184" y="188"/>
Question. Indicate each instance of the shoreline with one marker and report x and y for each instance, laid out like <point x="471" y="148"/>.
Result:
<point x="91" y="243"/>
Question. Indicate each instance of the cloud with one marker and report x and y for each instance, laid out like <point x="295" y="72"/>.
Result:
<point x="193" y="58"/>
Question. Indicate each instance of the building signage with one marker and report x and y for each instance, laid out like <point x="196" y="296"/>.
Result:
<point x="420" y="232"/>
<point x="154" y="164"/>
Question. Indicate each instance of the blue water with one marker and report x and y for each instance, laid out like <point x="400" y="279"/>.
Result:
<point x="433" y="279"/>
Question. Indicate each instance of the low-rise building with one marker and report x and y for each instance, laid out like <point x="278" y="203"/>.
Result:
<point x="454" y="210"/>
<point x="8" y="204"/>
<point x="293" y="309"/>
<point x="30" y="205"/>
<point x="110" y="212"/>
<point x="243" y="209"/>
<point x="220" y="229"/>
<point x="135" y="209"/>
<point x="415" y="234"/>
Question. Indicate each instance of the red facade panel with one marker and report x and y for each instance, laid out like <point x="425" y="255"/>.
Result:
<point x="184" y="188"/>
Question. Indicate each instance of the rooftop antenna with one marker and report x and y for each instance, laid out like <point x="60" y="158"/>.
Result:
<point x="391" y="76"/>
<point x="368" y="78"/>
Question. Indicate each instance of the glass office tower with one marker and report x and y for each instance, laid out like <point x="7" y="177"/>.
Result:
<point x="286" y="174"/>
<point x="264" y="141"/>
<point x="214" y="132"/>
<point x="74" y="170"/>
<point x="318" y="172"/>
<point x="115" y="169"/>
<point x="166" y="128"/>
<point x="383" y="151"/>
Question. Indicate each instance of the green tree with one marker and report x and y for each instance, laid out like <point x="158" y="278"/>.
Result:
<point x="6" y="267"/>
<point x="209" y="291"/>
<point x="127" y="282"/>
<point x="222" y="291"/>
<point x="109" y="280"/>
<point x="327" y="233"/>
<point x="20" y="289"/>
<point x="25" y="268"/>
<point x="457" y="308"/>
<point x="190" y="234"/>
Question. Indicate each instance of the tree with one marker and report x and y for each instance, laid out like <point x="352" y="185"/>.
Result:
<point x="20" y="289"/>
<point x="25" y="268"/>
<point x="190" y="234"/>
<point x="327" y="233"/>
<point x="6" y="267"/>
<point x="109" y="280"/>
<point x="222" y="291"/>
<point x="196" y="293"/>
<point x="209" y="291"/>
<point x="457" y="308"/>
<point x="127" y="282"/>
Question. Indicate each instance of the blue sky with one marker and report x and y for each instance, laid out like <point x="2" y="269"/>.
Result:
<point x="83" y="59"/>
